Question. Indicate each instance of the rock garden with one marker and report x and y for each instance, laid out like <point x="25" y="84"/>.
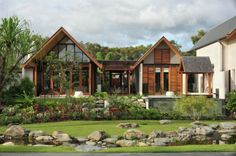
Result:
<point x="197" y="133"/>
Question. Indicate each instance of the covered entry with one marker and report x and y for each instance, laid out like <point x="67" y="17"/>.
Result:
<point x="197" y="75"/>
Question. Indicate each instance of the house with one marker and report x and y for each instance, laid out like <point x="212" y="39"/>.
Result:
<point x="154" y="73"/>
<point x="219" y="44"/>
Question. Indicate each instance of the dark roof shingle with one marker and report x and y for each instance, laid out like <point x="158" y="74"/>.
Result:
<point x="217" y="33"/>
<point x="192" y="64"/>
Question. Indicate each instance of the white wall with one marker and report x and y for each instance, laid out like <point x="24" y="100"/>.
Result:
<point x="223" y="56"/>
<point x="214" y="52"/>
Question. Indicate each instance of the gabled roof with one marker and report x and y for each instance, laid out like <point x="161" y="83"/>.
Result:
<point x="193" y="64"/>
<point x="219" y="32"/>
<point x="163" y="39"/>
<point x="52" y="41"/>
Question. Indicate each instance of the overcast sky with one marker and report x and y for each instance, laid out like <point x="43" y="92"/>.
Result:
<point x="122" y="22"/>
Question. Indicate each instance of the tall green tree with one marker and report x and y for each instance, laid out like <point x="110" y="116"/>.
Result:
<point x="195" y="38"/>
<point x="176" y="44"/>
<point x="15" y="43"/>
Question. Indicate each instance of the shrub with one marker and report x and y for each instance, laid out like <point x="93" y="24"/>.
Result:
<point x="196" y="106"/>
<point x="231" y="102"/>
<point x="17" y="94"/>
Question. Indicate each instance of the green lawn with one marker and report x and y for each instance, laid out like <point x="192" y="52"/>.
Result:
<point x="159" y="149"/>
<point x="29" y="149"/>
<point x="83" y="128"/>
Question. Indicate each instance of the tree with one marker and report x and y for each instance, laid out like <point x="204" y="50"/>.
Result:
<point x="99" y="56"/>
<point x="231" y="102"/>
<point x="15" y="43"/>
<point x="174" y="43"/>
<point x="38" y="40"/>
<point x="198" y="36"/>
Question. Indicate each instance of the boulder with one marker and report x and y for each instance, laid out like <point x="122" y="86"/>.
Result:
<point x="225" y="137"/>
<point x="156" y="134"/>
<point x="44" y="139"/>
<point x="15" y="131"/>
<point x="90" y="143"/>
<point x="8" y="144"/>
<point x="81" y="140"/>
<point x="198" y="123"/>
<point x="227" y="131"/>
<point x="87" y="148"/>
<point x="161" y="141"/>
<point x="126" y="143"/>
<point x="162" y="122"/>
<point x="185" y="134"/>
<point x="34" y="134"/>
<point x="134" y="134"/>
<point x="97" y="136"/>
<point x="227" y="125"/>
<point x="110" y="140"/>
<point x="214" y="126"/>
<point x="204" y="130"/>
<point x="142" y="144"/>
<point x="128" y="125"/>
<point x="61" y="136"/>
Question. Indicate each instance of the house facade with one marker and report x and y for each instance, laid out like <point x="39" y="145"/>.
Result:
<point x="219" y="44"/>
<point x="62" y="65"/>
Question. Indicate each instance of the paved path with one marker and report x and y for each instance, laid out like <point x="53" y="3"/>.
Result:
<point x="118" y="154"/>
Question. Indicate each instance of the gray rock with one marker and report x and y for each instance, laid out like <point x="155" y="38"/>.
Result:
<point x="126" y="143"/>
<point x="44" y="139"/>
<point x="61" y="136"/>
<point x="81" y="140"/>
<point x="142" y="144"/>
<point x="90" y="143"/>
<point x="227" y="131"/>
<point x="8" y="144"/>
<point x="225" y="137"/>
<point x="128" y="125"/>
<point x="15" y="131"/>
<point x="227" y="125"/>
<point x="204" y="130"/>
<point x="87" y="148"/>
<point x="97" y="136"/>
<point x="214" y="126"/>
<point x="161" y="141"/>
<point x="110" y="140"/>
<point x="134" y="134"/>
<point x="156" y="134"/>
<point x="198" y="123"/>
<point x="34" y="134"/>
<point x="162" y="122"/>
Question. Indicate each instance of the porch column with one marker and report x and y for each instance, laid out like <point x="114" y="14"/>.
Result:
<point x="35" y="80"/>
<point x="209" y="83"/>
<point x="141" y="79"/>
<point x="90" y="78"/>
<point x="199" y="83"/>
<point x="185" y="84"/>
<point x="128" y="78"/>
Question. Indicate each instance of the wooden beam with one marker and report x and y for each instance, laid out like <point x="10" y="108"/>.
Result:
<point x="209" y="83"/>
<point x="128" y="77"/>
<point x="51" y="79"/>
<point x="35" y="79"/>
<point x="203" y="83"/>
<point x="90" y="78"/>
<point x="71" y="80"/>
<point x="80" y="77"/>
<point x="186" y="85"/>
<point x="42" y="79"/>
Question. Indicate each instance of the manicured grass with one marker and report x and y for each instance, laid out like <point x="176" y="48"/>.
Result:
<point x="29" y="149"/>
<point x="83" y="128"/>
<point x="171" y="149"/>
<point x="159" y="149"/>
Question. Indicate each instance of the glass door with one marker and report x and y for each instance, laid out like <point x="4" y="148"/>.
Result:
<point x="158" y="80"/>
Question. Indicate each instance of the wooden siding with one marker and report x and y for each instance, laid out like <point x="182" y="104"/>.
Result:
<point x="175" y="79"/>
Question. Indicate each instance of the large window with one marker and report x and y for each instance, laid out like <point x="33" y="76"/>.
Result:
<point x="158" y="80"/>
<point x="166" y="79"/>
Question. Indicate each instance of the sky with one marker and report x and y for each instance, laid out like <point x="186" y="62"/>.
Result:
<point x="119" y="23"/>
